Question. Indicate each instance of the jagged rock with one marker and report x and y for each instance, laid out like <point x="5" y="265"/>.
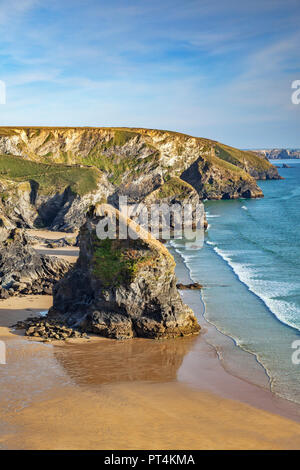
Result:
<point x="39" y="327"/>
<point x="122" y="288"/>
<point x="192" y="286"/>
<point x="23" y="270"/>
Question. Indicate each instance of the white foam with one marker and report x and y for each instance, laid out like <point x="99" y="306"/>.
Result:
<point x="287" y="312"/>
<point x="244" y="208"/>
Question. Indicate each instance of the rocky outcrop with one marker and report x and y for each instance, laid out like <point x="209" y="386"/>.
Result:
<point x="142" y="164"/>
<point x="219" y="180"/>
<point x="47" y="330"/>
<point x="26" y="205"/>
<point x="122" y="288"/>
<point x="278" y="154"/>
<point x="23" y="270"/>
<point x="192" y="286"/>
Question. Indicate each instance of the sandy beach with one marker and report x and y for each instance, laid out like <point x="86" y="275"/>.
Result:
<point x="134" y="394"/>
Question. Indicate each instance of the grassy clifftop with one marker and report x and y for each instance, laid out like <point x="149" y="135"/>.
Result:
<point x="136" y="161"/>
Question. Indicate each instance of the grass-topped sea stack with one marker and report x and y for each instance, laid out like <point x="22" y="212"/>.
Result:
<point x="122" y="288"/>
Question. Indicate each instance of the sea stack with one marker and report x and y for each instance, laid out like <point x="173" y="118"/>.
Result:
<point x="122" y="288"/>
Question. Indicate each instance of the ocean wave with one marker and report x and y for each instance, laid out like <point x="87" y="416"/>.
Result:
<point x="268" y="291"/>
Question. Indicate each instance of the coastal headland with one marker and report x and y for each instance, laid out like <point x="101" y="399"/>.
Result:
<point x="124" y="388"/>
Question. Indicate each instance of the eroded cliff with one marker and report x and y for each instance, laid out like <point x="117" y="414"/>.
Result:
<point x="50" y="176"/>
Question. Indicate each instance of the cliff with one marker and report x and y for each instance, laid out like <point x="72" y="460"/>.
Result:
<point x="50" y="176"/>
<point x="278" y="154"/>
<point x="23" y="270"/>
<point x="122" y="288"/>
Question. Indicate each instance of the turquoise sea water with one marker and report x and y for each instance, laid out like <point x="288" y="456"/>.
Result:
<point x="250" y="266"/>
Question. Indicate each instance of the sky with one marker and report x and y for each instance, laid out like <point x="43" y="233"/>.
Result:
<point x="216" y="69"/>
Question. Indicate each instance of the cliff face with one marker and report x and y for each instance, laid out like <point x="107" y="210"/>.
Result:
<point x="122" y="288"/>
<point x="54" y="196"/>
<point x="63" y="170"/>
<point x="23" y="270"/>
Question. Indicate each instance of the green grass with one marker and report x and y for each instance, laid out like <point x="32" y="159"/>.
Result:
<point x="115" y="264"/>
<point x="240" y="157"/>
<point x="116" y="166"/>
<point x="174" y="187"/>
<point x="120" y="138"/>
<point x="227" y="168"/>
<point x="50" y="178"/>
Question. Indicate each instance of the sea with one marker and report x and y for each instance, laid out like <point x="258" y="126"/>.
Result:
<point x="250" y="269"/>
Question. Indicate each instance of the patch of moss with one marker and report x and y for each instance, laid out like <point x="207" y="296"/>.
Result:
<point x="113" y="264"/>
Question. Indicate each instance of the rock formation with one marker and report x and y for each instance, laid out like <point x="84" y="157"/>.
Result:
<point x="122" y="288"/>
<point x="23" y="270"/>
<point x="278" y="154"/>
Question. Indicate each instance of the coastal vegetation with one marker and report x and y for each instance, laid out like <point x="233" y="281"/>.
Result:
<point x="49" y="178"/>
<point x="76" y="167"/>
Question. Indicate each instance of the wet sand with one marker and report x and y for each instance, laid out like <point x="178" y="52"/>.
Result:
<point x="128" y="395"/>
<point x="136" y="394"/>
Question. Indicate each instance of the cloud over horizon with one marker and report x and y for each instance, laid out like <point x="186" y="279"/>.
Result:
<point x="221" y="70"/>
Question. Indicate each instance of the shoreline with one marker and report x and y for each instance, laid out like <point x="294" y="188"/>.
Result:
<point x="212" y="325"/>
<point x="261" y="300"/>
<point x="253" y="394"/>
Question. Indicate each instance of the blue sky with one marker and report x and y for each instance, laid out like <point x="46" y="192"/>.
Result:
<point x="217" y="69"/>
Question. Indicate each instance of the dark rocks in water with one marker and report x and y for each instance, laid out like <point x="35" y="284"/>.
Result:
<point x="122" y="288"/>
<point x="24" y="271"/>
<point x="285" y="165"/>
<point x="192" y="286"/>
